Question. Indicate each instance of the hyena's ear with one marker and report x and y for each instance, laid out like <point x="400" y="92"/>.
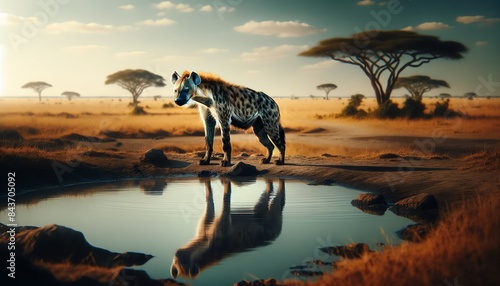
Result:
<point x="175" y="77"/>
<point x="195" y="77"/>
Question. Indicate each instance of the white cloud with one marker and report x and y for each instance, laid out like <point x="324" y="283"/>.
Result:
<point x="184" y="8"/>
<point x="127" y="7"/>
<point x="130" y="54"/>
<point x="409" y="28"/>
<point x="167" y="5"/>
<point x="469" y="19"/>
<point x="222" y="9"/>
<point x="432" y="26"/>
<point x="158" y="22"/>
<point x="279" y="29"/>
<point x="272" y="53"/>
<point x="476" y="19"/>
<point x="365" y="3"/>
<point x="84" y="28"/>
<point x="206" y="8"/>
<point x="320" y="65"/>
<point x="7" y="19"/>
<point x="214" y="50"/>
<point x="481" y="43"/>
<point x="84" y="49"/>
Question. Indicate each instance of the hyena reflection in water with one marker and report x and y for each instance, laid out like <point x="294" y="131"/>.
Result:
<point x="230" y="232"/>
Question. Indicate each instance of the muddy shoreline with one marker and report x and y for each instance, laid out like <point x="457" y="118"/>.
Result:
<point x="394" y="176"/>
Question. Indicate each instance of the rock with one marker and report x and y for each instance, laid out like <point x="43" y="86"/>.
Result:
<point x="60" y="244"/>
<point x="420" y="202"/>
<point x="370" y="203"/>
<point x="414" y="232"/>
<point x="422" y="208"/>
<point x="350" y="251"/>
<point x="244" y="155"/>
<point x="241" y="169"/>
<point x="155" y="157"/>
<point x="367" y="200"/>
<point x="131" y="258"/>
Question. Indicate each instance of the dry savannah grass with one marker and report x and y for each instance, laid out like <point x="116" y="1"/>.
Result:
<point x="307" y="117"/>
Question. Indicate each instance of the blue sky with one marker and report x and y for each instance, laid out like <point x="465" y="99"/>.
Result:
<point x="75" y="44"/>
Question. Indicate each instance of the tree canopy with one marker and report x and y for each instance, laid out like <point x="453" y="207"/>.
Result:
<point x="470" y="95"/>
<point x="135" y="81"/>
<point x="327" y="87"/>
<point x="417" y="85"/>
<point x="386" y="53"/>
<point x="444" y="95"/>
<point x="70" y="94"/>
<point x="37" y="86"/>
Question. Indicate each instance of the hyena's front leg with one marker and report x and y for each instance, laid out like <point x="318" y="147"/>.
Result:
<point x="209" y="122"/>
<point x="226" y="143"/>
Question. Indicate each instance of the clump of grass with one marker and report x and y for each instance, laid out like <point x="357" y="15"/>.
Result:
<point x="168" y="105"/>
<point x="463" y="248"/>
<point x="487" y="160"/>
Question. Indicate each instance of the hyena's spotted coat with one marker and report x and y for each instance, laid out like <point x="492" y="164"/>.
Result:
<point x="228" y="104"/>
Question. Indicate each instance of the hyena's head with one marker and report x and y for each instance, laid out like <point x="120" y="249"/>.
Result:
<point x="183" y="265"/>
<point x="185" y="86"/>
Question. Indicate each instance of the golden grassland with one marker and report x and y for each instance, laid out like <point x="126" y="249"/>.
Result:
<point x="56" y="117"/>
<point x="310" y="124"/>
<point x="462" y="250"/>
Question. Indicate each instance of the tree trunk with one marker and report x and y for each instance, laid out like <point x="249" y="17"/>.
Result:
<point x="39" y="96"/>
<point x="378" y="93"/>
<point x="134" y="98"/>
<point x="327" y="94"/>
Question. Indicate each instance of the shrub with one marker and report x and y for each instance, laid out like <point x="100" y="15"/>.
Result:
<point x="388" y="109"/>
<point x="442" y="109"/>
<point x="349" y="110"/>
<point x="138" y="110"/>
<point x="413" y="108"/>
<point x="352" y="106"/>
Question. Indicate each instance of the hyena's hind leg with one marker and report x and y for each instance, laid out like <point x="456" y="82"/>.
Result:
<point x="277" y="135"/>
<point x="259" y="130"/>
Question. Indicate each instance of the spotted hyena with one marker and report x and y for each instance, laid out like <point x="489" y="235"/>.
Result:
<point x="229" y="104"/>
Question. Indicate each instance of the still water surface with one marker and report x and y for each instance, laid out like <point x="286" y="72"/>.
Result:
<point x="218" y="230"/>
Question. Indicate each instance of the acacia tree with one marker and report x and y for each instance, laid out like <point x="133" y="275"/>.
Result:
<point x="444" y="95"/>
<point x="470" y="95"/>
<point x="37" y="86"/>
<point x="417" y="85"/>
<point x="135" y="81"/>
<point x="70" y="94"/>
<point x="385" y="54"/>
<point x="326" y="87"/>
